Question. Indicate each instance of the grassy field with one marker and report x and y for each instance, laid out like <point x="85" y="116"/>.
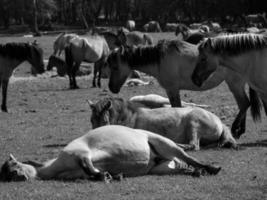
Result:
<point x="44" y="116"/>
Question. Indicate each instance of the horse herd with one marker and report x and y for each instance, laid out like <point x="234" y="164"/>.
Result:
<point x="146" y="134"/>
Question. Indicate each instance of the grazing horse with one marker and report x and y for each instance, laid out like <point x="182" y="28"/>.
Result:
<point x="92" y="49"/>
<point x="11" y="55"/>
<point x="152" y="26"/>
<point x="157" y="101"/>
<point x="106" y="152"/>
<point x="246" y="54"/>
<point x="172" y="63"/>
<point x="59" y="63"/>
<point x="189" y="126"/>
<point x="134" y="38"/>
<point x="130" y="25"/>
<point x="62" y="41"/>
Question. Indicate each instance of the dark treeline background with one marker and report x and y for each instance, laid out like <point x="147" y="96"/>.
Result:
<point x="85" y="13"/>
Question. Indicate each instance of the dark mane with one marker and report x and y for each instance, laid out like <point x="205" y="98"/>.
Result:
<point x="151" y="54"/>
<point x="18" y="51"/>
<point x="233" y="44"/>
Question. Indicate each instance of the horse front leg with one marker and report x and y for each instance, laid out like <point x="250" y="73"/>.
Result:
<point x="73" y="73"/>
<point x="242" y="100"/>
<point x="4" y="95"/>
<point x="95" y="73"/>
<point x="174" y="97"/>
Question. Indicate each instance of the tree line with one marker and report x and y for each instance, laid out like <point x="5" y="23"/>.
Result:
<point x="87" y="13"/>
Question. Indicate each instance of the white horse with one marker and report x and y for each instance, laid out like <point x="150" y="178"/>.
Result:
<point x="130" y="25"/>
<point x="187" y="126"/>
<point x="106" y="152"/>
<point x="62" y="41"/>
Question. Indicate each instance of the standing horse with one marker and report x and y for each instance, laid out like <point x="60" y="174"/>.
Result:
<point x="246" y="54"/>
<point x="106" y="152"/>
<point x="152" y="26"/>
<point x="130" y="25"/>
<point x="62" y="41"/>
<point x="92" y="49"/>
<point x="11" y="55"/>
<point x="188" y="127"/>
<point x="134" y="38"/>
<point x="172" y="64"/>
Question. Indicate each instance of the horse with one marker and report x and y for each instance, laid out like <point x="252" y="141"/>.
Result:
<point x="152" y="26"/>
<point x="111" y="39"/>
<point x="130" y="25"/>
<point x="11" y="55"/>
<point x="92" y="49"/>
<point x="172" y="63"/>
<point x="157" y="101"/>
<point x="188" y="127"/>
<point x="57" y="62"/>
<point x="62" y="41"/>
<point x="134" y="38"/>
<point x="171" y="26"/>
<point x="105" y="152"/>
<point x="244" y="53"/>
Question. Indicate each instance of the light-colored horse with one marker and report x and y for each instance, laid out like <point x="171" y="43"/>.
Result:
<point x="152" y="26"/>
<point x="13" y="54"/>
<point x="130" y="25"/>
<point x="172" y="64"/>
<point x="134" y="38"/>
<point x="91" y="49"/>
<point x="188" y="127"/>
<point x="62" y="41"/>
<point x="109" y="150"/>
<point x="157" y="101"/>
<point x="245" y="54"/>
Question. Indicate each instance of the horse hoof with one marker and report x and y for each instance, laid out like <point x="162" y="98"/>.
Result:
<point x="107" y="178"/>
<point x="4" y="109"/>
<point x="213" y="170"/>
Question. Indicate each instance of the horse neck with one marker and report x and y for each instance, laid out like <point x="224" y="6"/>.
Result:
<point x="48" y="171"/>
<point x="238" y="63"/>
<point x="127" y="114"/>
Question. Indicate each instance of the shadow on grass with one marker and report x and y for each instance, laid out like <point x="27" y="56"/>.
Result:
<point x="258" y="143"/>
<point x="54" y="145"/>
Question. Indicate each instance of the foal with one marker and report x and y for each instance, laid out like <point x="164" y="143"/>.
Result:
<point x="189" y="126"/>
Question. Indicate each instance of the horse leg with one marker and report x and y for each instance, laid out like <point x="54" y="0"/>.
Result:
<point x="95" y="73"/>
<point x="74" y="71"/>
<point x="174" y="97"/>
<point x="100" y="65"/>
<point x="168" y="150"/>
<point x="242" y="100"/>
<point x="4" y="95"/>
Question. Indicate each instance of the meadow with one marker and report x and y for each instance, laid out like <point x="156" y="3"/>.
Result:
<point x="44" y="115"/>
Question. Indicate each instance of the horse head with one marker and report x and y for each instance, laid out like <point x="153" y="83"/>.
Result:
<point x="119" y="68"/>
<point x="100" y="112"/>
<point x="36" y="58"/>
<point x="13" y="170"/>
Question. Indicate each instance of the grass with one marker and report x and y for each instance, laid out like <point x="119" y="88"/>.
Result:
<point x="44" y="116"/>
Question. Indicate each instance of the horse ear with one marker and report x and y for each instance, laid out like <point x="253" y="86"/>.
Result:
<point x="11" y="157"/>
<point x="108" y="105"/>
<point x="91" y="104"/>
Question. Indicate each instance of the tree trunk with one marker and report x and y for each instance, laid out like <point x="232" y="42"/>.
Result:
<point x="35" y="23"/>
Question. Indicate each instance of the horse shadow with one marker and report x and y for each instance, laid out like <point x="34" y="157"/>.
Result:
<point x="54" y="145"/>
<point x="258" y="143"/>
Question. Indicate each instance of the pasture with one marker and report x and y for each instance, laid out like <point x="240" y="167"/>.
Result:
<point x="44" y="115"/>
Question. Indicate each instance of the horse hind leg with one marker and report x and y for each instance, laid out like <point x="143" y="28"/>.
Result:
<point x="174" y="97"/>
<point x="168" y="150"/>
<point x="4" y="95"/>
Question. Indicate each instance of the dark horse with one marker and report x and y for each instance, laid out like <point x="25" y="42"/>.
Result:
<point x="91" y="49"/>
<point x="172" y="64"/>
<point x="11" y="55"/>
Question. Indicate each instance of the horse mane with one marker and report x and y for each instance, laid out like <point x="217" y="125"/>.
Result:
<point x="18" y="51"/>
<point x="233" y="44"/>
<point x="150" y="54"/>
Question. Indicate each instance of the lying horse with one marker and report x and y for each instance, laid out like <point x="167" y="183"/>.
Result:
<point x="157" y="101"/>
<point x="11" y="55"/>
<point x="172" y="63"/>
<point x="109" y="149"/>
<point x="62" y="41"/>
<point x="92" y="49"/>
<point x="189" y="126"/>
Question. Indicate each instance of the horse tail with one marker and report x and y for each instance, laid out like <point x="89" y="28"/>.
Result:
<point x="255" y="104"/>
<point x="68" y="57"/>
